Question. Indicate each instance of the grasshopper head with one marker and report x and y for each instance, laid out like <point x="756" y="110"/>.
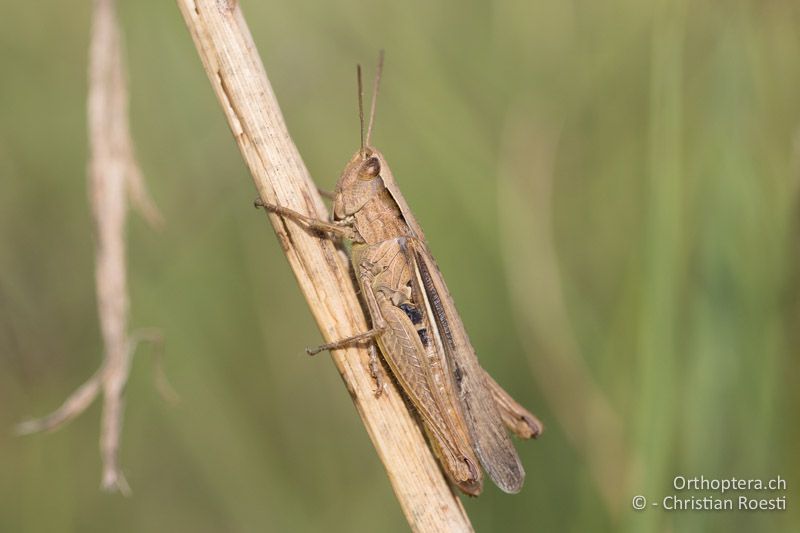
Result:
<point x="359" y="183"/>
<point x="361" y="178"/>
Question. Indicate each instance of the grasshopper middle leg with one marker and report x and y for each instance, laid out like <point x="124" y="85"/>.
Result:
<point x="349" y="341"/>
<point x="375" y="369"/>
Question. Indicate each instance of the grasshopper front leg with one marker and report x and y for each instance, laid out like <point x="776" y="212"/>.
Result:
<point x="343" y="230"/>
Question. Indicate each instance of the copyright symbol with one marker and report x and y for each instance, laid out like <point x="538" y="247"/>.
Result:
<point x="639" y="502"/>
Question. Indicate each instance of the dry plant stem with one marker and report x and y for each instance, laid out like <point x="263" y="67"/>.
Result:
<point x="240" y="82"/>
<point x="113" y="176"/>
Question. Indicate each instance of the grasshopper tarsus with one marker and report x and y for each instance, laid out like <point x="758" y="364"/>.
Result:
<point x="375" y="370"/>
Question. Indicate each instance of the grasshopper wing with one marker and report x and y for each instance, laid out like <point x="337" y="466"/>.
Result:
<point x="479" y="402"/>
<point x="492" y="444"/>
<point x="409" y="343"/>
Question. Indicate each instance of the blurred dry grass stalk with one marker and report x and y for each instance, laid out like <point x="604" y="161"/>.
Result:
<point x="114" y="177"/>
<point x="540" y="310"/>
<point x="237" y="75"/>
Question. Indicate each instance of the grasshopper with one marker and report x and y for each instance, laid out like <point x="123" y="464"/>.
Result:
<point x="416" y="325"/>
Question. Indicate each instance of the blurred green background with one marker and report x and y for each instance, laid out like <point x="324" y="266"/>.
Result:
<point x="610" y="189"/>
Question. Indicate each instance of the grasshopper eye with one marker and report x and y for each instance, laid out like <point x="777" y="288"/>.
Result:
<point x="369" y="169"/>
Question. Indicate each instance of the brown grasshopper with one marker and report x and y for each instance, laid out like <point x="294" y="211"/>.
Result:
<point x="416" y="325"/>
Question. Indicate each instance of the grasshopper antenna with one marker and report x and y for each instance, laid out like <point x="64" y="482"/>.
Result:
<point x="360" y="106"/>
<point x="375" y="89"/>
